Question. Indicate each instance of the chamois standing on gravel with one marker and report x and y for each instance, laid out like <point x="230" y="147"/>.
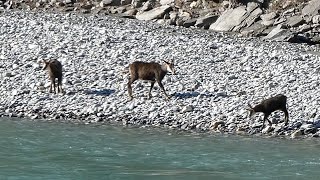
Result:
<point x="54" y="68"/>
<point x="150" y="71"/>
<point x="270" y="105"/>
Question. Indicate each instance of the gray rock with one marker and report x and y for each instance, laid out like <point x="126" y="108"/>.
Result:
<point x="189" y="23"/>
<point x="130" y="13"/>
<point x="295" y="21"/>
<point x="278" y="34"/>
<point x="304" y="28"/>
<point x="187" y="108"/>
<point x="238" y="18"/>
<point x="146" y="6"/>
<point x="206" y="21"/>
<point x="279" y="20"/>
<point x="296" y="134"/>
<point x="267" y="129"/>
<point x="154" y="13"/>
<point x="268" y="17"/>
<point x="229" y="19"/>
<point x="316" y="123"/>
<point x="316" y="19"/>
<point x="125" y="2"/>
<point x="257" y="29"/>
<point x="105" y="3"/>
<point x="137" y="3"/>
<point x="253" y="13"/>
<point x="9" y="74"/>
<point x="306" y="126"/>
<point x="311" y="130"/>
<point x="312" y="8"/>
<point x="118" y="10"/>
<point x="214" y="125"/>
<point x="166" y="2"/>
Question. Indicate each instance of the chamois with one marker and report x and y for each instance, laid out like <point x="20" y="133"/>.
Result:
<point x="270" y="105"/>
<point x="54" y="68"/>
<point x="150" y="71"/>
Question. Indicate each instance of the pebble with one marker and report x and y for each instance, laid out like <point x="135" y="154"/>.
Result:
<point x="188" y="108"/>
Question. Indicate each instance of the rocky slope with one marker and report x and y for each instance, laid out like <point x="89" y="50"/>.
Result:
<point x="296" y="21"/>
<point x="217" y="75"/>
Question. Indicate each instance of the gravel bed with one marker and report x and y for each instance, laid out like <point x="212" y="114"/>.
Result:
<point x="217" y="75"/>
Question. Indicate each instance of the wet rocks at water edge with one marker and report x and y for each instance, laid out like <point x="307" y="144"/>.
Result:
<point x="216" y="75"/>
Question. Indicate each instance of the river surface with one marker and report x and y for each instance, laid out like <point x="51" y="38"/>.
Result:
<point x="47" y="150"/>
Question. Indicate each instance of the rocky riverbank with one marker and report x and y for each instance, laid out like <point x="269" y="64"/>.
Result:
<point x="217" y="75"/>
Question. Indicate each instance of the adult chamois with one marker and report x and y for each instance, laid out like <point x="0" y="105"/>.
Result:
<point x="54" y="68"/>
<point x="150" y="71"/>
<point x="270" y="105"/>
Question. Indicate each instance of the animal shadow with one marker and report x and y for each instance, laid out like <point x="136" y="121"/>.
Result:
<point x="102" y="92"/>
<point x="186" y="95"/>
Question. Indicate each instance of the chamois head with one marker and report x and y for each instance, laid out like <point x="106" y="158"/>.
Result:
<point x="169" y="66"/>
<point x="251" y="110"/>
<point x="46" y="64"/>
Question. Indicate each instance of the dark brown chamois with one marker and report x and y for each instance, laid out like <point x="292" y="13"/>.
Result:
<point x="270" y="105"/>
<point x="54" y="68"/>
<point x="150" y="71"/>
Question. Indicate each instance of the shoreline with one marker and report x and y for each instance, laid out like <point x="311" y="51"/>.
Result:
<point x="217" y="75"/>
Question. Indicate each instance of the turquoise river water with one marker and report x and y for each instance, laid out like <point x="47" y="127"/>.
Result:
<point x="47" y="150"/>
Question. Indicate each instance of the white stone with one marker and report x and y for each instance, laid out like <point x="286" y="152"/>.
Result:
<point x="187" y="108"/>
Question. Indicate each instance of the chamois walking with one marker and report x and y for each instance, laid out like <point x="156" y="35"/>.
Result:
<point x="270" y="105"/>
<point x="54" y="68"/>
<point x="150" y="71"/>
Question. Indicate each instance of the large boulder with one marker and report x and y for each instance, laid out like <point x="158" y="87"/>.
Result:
<point x="278" y="34"/>
<point x="154" y="13"/>
<point x="295" y="21"/>
<point x="312" y="8"/>
<point x="268" y="19"/>
<point x="253" y="13"/>
<point x="229" y="19"/>
<point x="235" y="19"/>
<point x="257" y="29"/>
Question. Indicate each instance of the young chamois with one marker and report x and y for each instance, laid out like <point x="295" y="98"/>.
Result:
<point x="270" y="105"/>
<point x="54" y="68"/>
<point x="150" y="71"/>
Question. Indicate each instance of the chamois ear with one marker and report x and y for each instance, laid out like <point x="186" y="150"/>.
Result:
<point x="45" y="64"/>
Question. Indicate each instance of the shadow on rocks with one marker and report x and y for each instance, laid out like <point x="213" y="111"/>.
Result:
<point x="102" y="92"/>
<point x="185" y="95"/>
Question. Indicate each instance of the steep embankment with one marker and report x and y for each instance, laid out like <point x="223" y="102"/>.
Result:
<point x="217" y="75"/>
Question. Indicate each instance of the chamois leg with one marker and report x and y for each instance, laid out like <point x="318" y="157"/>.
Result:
<point x="286" y="114"/>
<point x="152" y="84"/>
<point x="131" y="80"/>
<point x="264" y="120"/>
<point x="164" y="91"/>
<point x="60" y="86"/>
<point x="53" y="84"/>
